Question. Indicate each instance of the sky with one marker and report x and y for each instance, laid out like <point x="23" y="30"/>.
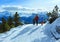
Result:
<point x="31" y="4"/>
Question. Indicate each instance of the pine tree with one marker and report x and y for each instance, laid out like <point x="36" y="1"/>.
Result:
<point x="56" y="8"/>
<point x="16" y="19"/>
<point x="5" y="26"/>
<point x="1" y="29"/>
<point x="10" y="22"/>
<point x="53" y="14"/>
<point x="3" y="21"/>
<point x="49" y="14"/>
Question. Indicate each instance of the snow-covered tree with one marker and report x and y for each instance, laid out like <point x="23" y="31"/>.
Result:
<point x="53" y="15"/>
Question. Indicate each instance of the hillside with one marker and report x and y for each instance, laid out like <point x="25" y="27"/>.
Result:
<point x="31" y="33"/>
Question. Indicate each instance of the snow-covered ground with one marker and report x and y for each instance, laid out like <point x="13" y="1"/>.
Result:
<point x="25" y="33"/>
<point x="31" y="33"/>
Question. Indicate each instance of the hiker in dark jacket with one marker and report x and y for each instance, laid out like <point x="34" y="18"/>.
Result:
<point x="33" y="21"/>
<point x="36" y="19"/>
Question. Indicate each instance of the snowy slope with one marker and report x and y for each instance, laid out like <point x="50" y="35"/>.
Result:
<point x="56" y="23"/>
<point x="50" y="30"/>
<point x="25" y="33"/>
<point x="31" y="33"/>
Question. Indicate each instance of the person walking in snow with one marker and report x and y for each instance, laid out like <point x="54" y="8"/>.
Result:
<point x="35" y="20"/>
<point x="42" y="21"/>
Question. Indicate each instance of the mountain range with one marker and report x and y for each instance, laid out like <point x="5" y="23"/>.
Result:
<point x="25" y="17"/>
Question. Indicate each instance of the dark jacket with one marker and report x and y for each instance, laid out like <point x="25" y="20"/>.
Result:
<point x="36" y="18"/>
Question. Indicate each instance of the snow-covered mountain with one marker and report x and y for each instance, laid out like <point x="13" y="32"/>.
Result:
<point x="26" y="17"/>
<point x="22" y="14"/>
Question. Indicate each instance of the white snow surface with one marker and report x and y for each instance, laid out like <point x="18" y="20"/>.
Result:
<point x="31" y="33"/>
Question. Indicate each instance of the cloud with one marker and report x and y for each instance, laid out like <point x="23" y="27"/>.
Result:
<point x="45" y="5"/>
<point x="14" y="8"/>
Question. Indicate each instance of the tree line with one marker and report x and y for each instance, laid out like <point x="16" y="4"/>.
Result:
<point x="53" y="15"/>
<point x="6" y="25"/>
